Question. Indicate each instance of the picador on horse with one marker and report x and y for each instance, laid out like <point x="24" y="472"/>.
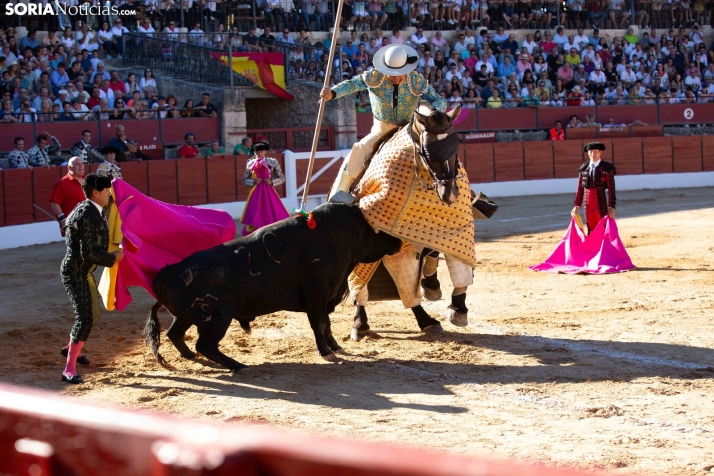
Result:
<point x="413" y="187"/>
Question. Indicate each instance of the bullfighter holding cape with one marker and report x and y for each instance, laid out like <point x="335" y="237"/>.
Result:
<point x="263" y="205"/>
<point x="601" y="251"/>
<point x="155" y="234"/>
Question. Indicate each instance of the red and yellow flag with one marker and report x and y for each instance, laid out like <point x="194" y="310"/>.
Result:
<point x="266" y="70"/>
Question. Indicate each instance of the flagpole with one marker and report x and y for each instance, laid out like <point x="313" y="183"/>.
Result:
<point x="318" y="125"/>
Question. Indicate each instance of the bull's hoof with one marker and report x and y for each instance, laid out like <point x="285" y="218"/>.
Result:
<point x="431" y="294"/>
<point x="357" y="335"/>
<point x="459" y="319"/>
<point x="242" y="367"/>
<point x="188" y="355"/>
<point x="433" y="329"/>
<point x="339" y="350"/>
<point x="331" y="357"/>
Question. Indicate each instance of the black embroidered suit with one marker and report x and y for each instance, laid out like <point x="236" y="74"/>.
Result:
<point x="87" y="241"/>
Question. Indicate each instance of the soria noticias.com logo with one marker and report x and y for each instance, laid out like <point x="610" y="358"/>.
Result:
<point x="57" y="8"/>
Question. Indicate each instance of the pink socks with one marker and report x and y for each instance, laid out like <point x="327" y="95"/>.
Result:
<point x="74" y="349"/>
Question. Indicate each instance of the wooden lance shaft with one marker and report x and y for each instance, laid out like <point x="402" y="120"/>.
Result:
<point x="321" y="112"/>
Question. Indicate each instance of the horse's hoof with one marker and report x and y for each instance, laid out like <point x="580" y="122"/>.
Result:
<point x="331" y="357"/>
<point x="431" y="294"/>
<point x="459" y="319"/>
<point x="433" y="329"/>
<point x="357" y="335"/>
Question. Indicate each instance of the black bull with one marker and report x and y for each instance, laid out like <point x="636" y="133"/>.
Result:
<point x="283" y="267"/>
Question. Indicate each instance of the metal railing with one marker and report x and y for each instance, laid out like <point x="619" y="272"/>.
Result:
<point x="183" y="55"/>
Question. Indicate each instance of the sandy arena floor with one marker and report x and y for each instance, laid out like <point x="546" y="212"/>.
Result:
<point x="613" y="372"/>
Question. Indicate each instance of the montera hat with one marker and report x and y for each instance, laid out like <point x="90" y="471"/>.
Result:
<point x="594" y="146"/>
<point x="258" y="146"/>
<point x="99" y="182"/>
<point x="395" y="60"/>
<point x="109" y="150"/>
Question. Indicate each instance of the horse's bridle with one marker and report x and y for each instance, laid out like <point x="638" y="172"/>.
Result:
<point x="419" y="150"/>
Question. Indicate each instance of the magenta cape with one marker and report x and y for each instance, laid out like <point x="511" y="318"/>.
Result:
<point x="599" y="253"/>
<point x="157" y="234"/>
<point x="263" y="206"/>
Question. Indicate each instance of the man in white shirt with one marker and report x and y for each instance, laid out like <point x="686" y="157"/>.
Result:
<point x="570" y="44"/>
<point x="696" y="35"/>
<point x="693" y="80"/>
<point x="582" y="39"/>
<point x="196" y="35"/>
<point x="530" y="45"/>
<point x="427" y="60"/>
<point x="461" y="45"/>
<point x="628" y="77"/>
<point x="86" y="39"/>
<point x="589" y="51"/>
<point x="286" y="37"/>
<point x="117" y="31"/>
<point x="484" y="60"/>
<point x="453" y="72"/>
<point x="597" y="77"/>
<point x="172" y="31"/>
<point x="146" y="27"/>
<point x="560" y="39"/>
<point x="418" y="38"/>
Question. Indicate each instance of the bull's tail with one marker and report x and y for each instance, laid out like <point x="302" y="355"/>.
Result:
<point x="152" y="335"/>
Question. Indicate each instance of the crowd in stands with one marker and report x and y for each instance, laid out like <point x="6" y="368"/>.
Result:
<point x="491" y="69"/>
<point x="54" y="80"/>
<point x="318" y="15"/>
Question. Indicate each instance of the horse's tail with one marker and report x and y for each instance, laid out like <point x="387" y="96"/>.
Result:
<point x="152" y="335"/>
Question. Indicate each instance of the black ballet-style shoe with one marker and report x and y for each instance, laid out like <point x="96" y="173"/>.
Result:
<point x="81" y="360"/>
<point x="74" y="379"/>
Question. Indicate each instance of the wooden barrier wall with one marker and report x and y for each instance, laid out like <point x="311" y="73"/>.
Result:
<point x="184" y="181"/>
<point x="219" y="180"/>
<point x="46" y="434"/>
<point x="506" y="162"/>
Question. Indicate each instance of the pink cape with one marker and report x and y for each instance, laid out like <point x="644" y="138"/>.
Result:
<point x="599" y="253"/>
<point x="157" y="234"/>
<point x="263" y="206"/>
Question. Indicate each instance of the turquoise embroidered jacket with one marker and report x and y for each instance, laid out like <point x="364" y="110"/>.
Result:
<point x="381" y="89"/>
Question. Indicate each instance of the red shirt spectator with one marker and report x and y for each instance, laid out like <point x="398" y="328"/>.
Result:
<point x="67" y="192"/>
<point x="117" y="85"/>
<point x="557" y="133"/>
<point x="188" y="150"/>
<point x="574" y="97"/>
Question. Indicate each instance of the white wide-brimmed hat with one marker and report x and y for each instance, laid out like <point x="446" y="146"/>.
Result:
<point x="395" y="60"/>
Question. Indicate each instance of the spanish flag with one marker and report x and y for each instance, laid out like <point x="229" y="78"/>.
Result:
<point x="267" y="70"/>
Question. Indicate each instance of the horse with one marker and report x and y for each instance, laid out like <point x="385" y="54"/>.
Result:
<point x="413" y="173"/>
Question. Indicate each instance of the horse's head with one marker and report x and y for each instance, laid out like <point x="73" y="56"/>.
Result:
<point x="437" y="145"/>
